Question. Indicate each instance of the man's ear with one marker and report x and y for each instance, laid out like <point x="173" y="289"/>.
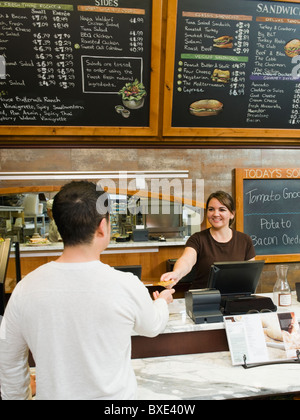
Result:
<point x="102" y="228"/>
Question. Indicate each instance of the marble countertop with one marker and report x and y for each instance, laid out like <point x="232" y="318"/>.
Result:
<point x="210" y="377"/>
<point x="180" y="322"/>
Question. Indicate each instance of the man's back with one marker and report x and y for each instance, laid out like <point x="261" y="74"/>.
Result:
<point x="77" y="320"/>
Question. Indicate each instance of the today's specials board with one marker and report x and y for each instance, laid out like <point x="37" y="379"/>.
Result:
<point x="234" y="68"/>
<point x="82" y="63"/>
<point x="268" y="210"/>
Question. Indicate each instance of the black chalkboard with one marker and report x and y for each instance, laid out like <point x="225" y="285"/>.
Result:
<point x="235" y="52"/>
<point x="67" y="60"/>
<point x="272" y="215"/>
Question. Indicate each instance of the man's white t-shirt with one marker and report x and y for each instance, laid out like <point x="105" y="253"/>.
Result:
<point x="77" y="320"/>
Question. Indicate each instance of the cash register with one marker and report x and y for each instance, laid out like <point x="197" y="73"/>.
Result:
<point x="231" y="291"/>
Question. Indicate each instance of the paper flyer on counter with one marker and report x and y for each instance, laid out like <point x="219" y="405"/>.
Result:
<point x="262" y="338"/>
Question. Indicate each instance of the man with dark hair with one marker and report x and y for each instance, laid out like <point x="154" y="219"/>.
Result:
<point x="77" y="211"/>
<point x="76" y="315"/>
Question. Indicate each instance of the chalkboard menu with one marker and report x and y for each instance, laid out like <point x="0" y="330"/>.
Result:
<point x="268" y="209"/>
<point x="235" y="67"/>
<point x="78" y="63"/>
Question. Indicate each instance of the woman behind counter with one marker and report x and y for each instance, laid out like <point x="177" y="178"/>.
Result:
<point x="220" y="243"/>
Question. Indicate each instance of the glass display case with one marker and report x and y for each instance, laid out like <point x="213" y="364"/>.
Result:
<point x="24" y="215"/>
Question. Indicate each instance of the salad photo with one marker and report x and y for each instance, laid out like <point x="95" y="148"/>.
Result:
<point x="133" y="95"/>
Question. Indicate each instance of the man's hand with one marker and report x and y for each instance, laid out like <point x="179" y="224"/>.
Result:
<point x="167" y="295"/>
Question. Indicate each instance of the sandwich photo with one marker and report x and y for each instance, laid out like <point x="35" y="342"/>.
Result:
<point x="223" y="42"/>
<point x="292" y="48"/>
<point x="221" y="76"/>
<point x="206" y="108"/>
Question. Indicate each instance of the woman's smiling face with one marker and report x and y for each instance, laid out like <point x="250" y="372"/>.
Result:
<point x="218" y="214"/>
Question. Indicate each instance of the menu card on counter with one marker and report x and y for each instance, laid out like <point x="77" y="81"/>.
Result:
<point x="262" y="338"/>
<point x="237" y="64"/>
<point x="76" y="63"/>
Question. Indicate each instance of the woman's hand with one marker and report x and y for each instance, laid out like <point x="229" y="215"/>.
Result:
<point x="182" y="267"/>
<point x="173" y="277"/>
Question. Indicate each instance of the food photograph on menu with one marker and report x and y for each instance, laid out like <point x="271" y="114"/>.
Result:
<point x="263" y="338"/>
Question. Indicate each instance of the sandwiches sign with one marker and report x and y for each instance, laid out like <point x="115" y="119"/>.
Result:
<point x="237" y="64"/>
